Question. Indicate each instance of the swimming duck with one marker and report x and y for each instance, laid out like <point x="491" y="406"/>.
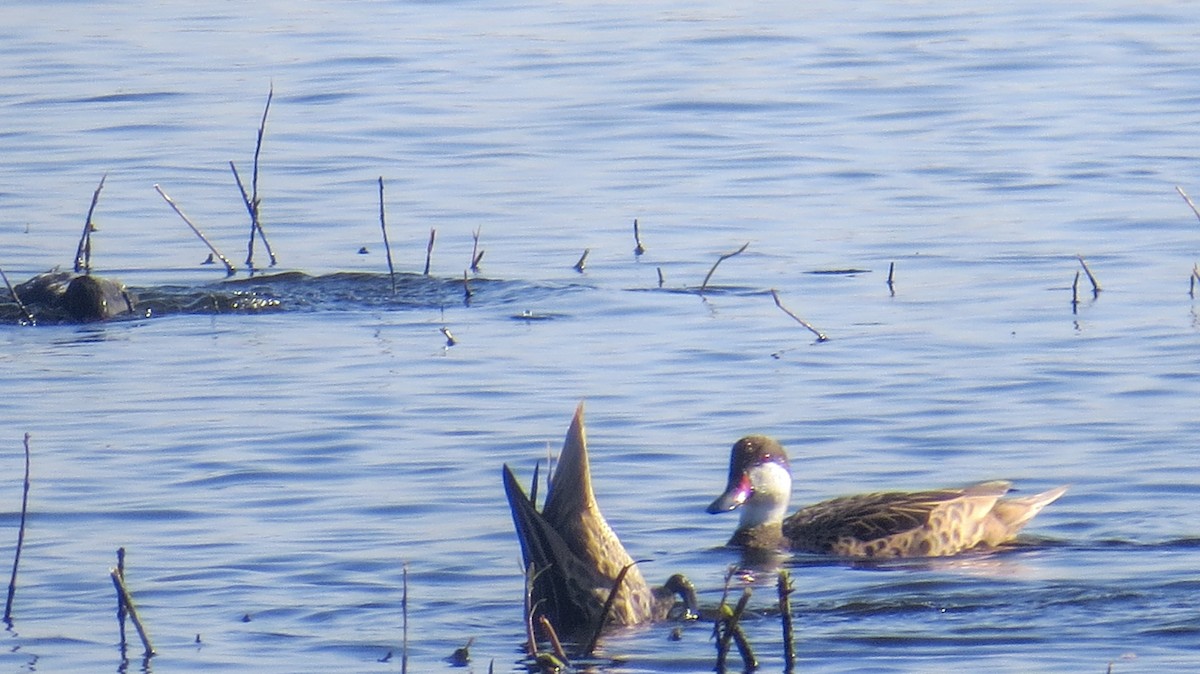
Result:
<point x="886" y="524"/>
<point x="574" y="556"/>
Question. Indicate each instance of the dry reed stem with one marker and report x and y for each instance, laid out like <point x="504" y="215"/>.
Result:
<point x="387" y="247"/>
<point x="1189" y="201"/>
<point x="784" y="586"/>
<point x="127" y="598"/>
<point x="230" y="271"/>
<point x="16" y="298"/>
<point x="637" y="239"/>
<point x="476" y="254"/>
<point x="612" y="596"/>
<point x="83" y="253"/>
<point x="254" y="202"/>
<point x="429" y="249"/>
<point x="450" y="340"/>
<point x="12" y="583"/>
<point x="404" y="620"/>
<point x="552" y="637"/>
<point x="582" y="260"/>
<point x="721" y="259"/>
<point x="891" y="279"/>
<point x="779" y="303"/>
<point x="1075" y="293"/>
<point x="660" y="276"/>
<point x="1095" y="284"/>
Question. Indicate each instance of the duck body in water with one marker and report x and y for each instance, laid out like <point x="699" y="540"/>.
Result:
<point x="933" y="523"/>
<point x="81" y="298"/>
<point x="574" y="557"/>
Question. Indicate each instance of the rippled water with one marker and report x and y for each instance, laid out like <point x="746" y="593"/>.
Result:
<point x="272" y="472"/>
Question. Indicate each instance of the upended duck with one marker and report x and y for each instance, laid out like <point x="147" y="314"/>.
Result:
<point x="575" y="558"/>
<point x="879" y="525"/>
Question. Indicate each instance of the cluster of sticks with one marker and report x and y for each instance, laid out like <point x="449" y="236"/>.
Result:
<point x="727" y="629"/>
<point x="125" y="605"/>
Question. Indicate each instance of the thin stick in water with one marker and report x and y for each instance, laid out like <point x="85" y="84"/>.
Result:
<point x="779" y="303"/>
<point x="582" y="260"/>
<point x="429" y="249"/>
<point x="387" y="247"/>
<point x="1086" y="270"/>
<point x="450" y="340"/>
<point x="785" y="589"/>
<point x="891" y="278"/>
<point x="660" y="276"/>
<point x="255" y="200"/>
<point x="12" y="583"/>
<point x="476" y="254"/>
<point x="612" y="596"/>
<point x="16" y="298"/>
<point x="721" y="259"/>
<point x="467" y="292"/>
<point x="1189" y="201"/>
<point x="552" y="636"/>
<point x="120" y="602"/>
<point x="83" y="253"/>
<point x="1075" y="293"/>
<point x="124" y="596"/>
<point x="637" y="239"/>
<point x="228" y="267"/>
<point x="404" y="623"/>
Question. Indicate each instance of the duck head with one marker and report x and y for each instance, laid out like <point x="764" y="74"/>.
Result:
<point x="760" y="482"/>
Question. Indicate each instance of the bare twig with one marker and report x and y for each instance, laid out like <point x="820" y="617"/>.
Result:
<point x="1189" y="201"/>
<point x="530" y="576"/>
<point x="83" y="253"/>
<point x="12" y="583"/>
<point x="637" y="239"/>
<point x="582" y="260"/>
<point x="1086" y="270"/>
<point x="124" y="596"/>
<point x="785" y="589"/>
<point x="779" y="303"/>
<point x="1075" y="293"/>
<point x="721" y="259"/>
<point x="552" y="636"/>
<point x="228" y="267"/>
<point x="387" y="247"/>
<point x="429" y="249"/>
<point x="404" y="619"/>
<point x="120" y="602"/>
<point x="612" y="596"/>
<point x="476" y="254"/>
<point x="660" y="276"/>
<point x="891" y="278"/>
<point x="17" y="298"/>
<point x="254" y="202"/>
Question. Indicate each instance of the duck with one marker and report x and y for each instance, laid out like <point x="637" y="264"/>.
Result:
<point x="891" y="524"/>
<point x="575" y="559"/>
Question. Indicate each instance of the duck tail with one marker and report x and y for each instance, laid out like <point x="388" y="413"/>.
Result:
<point x="1013" y="513"/>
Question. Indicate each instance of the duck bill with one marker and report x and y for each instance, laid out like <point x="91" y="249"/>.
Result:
<point x="734" y="496"/>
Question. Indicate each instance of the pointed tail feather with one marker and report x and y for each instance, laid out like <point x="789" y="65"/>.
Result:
<point x="1015" y="512"/>
<point x="570" y="490"/>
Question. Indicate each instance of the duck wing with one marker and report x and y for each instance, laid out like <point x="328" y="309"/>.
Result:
<point x="870" y="517"/>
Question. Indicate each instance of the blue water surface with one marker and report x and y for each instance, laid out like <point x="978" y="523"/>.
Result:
<point x="280" y="475"/>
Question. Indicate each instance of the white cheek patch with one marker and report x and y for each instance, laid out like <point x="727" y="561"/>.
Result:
<point x="772" y="489"/>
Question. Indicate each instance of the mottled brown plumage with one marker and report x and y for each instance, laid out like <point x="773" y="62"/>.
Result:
<point x="575" y="556"/>
<point x="884" y="524"/>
